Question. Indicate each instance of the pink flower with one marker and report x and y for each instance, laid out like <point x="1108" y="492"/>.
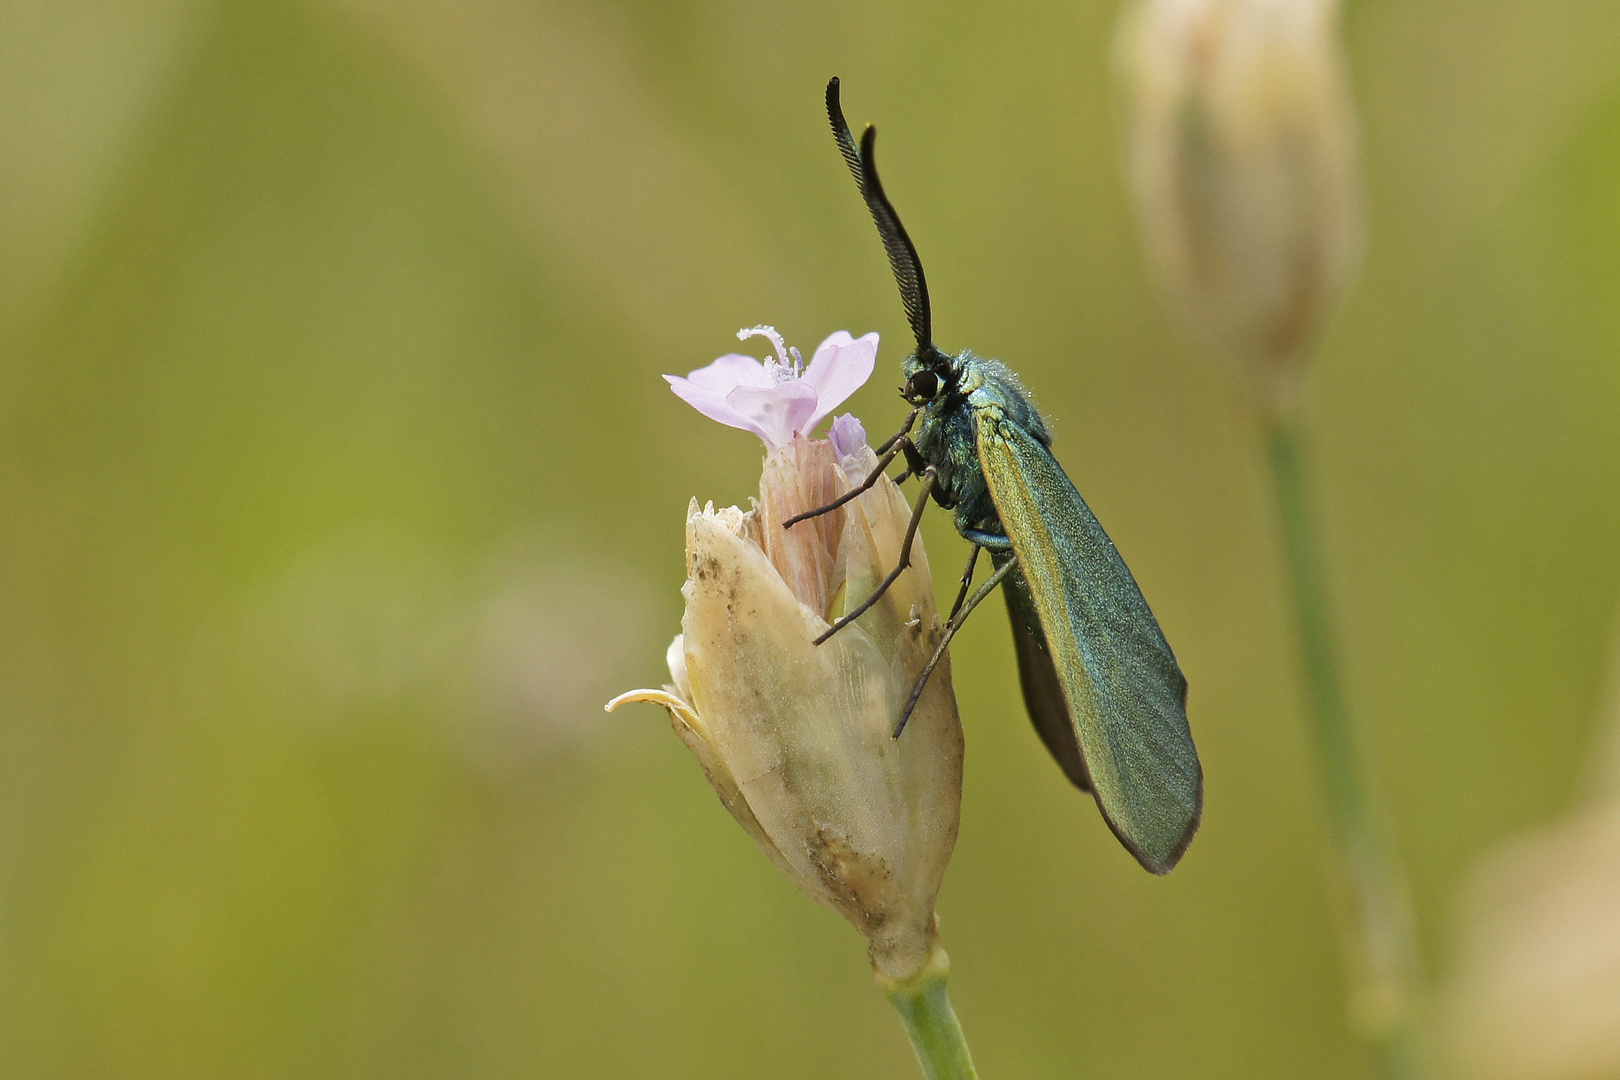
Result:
<point x="782" y="397"/>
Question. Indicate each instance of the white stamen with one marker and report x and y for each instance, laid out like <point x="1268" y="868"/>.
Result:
<point x="775" y="339"/>
<point x="798" y="360"/>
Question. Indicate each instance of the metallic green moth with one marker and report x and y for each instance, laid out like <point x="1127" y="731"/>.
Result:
<point x="1099" y="680"/>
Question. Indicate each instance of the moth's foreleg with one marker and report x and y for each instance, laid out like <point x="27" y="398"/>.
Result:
<point x="915" y="464"/>
<point x="900" y="436"/>
<point x="928" y="479"/>
<point x="955" y="624"/>
<point x="887" y="451"/>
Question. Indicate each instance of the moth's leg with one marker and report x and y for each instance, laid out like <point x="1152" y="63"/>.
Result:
<point x="929" y="476"/>
<point x="887" y="452"/>
<point x="900" y="436"/>
<point x="980" y="540"/>
<point x="915" y="464"/>
<point x="951" y="628"/>
<point x="993" y="541"/>
<point x="854" y="492"/>
<point x="967" y="579"/>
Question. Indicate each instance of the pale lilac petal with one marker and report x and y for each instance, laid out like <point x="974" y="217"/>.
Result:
<point x="730" y="371"/>
<point x="777" y="412"/>
<point x="767" y="398"/>
<point x="842" y="364"/>
<point x="712" y="405"/>
<point x="847" y="435"/>
<point x="849" y="444"/>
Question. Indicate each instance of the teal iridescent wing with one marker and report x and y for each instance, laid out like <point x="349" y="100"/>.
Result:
<point x="1126" y="697"/>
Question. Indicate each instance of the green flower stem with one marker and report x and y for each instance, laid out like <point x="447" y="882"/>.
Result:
<point x="1385" y="969"/>
<point x="925" y="1009"/>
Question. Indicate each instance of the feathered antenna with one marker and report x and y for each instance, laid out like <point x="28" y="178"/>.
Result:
<point x="908" y="271"/>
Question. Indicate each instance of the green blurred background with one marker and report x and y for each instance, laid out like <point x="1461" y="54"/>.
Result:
<point x="338" y="489"/>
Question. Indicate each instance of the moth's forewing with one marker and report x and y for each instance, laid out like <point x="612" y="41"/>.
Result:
<point x="1126" y="696"/>
<point x="1043" y="693"/>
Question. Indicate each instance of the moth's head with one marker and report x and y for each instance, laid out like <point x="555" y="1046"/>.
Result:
<point x="930" y="374"/>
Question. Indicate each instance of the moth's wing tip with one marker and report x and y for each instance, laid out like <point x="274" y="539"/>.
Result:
<point x="1161" y="863"/>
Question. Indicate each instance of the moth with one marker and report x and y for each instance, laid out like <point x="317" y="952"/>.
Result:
<point x="1099" y="680"/>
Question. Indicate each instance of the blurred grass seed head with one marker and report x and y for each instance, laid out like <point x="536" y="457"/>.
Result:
<point x="1241" y="151"/>
<point x="795" y="737"/>
<point x="1534" y="992"/>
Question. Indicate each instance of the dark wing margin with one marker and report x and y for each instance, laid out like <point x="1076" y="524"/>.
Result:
<point x="1043" y="693"/>
<point x="1127" y="699"/>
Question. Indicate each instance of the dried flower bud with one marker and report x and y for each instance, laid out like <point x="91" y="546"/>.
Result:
<point x="795" y="737"/>
<point x="1241" y="145"/>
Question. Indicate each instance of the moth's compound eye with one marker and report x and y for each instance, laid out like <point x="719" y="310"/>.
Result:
<point x="922" y="386"/>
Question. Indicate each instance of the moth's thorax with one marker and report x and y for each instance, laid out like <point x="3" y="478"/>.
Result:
<point x="971" y="388"/>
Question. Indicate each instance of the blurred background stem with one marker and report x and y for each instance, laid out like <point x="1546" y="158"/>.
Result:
<point x="925" y="1008"/>
<point x="1382" y="951"/>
